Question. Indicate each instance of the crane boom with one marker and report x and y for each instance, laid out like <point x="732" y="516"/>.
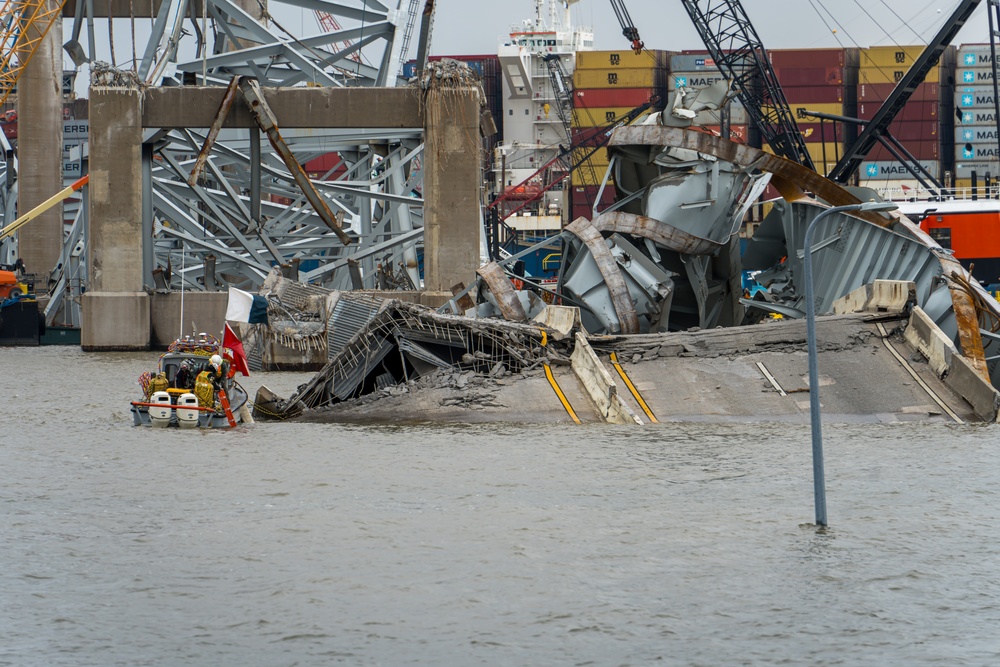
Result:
<point x="23" y="26"/>
<point x="739" y="54"/>
<point x="628" y="28"/>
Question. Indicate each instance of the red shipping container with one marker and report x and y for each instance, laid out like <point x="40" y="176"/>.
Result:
<point x="325" y="163"/>
<point x="907" y="130"/>
<point x="585" y="138"/>
<point x="813" y="94"/>
<point x="819" y="132"/>
<point x="791" y="58"/>
<point x="599" y="98"/>
<point x="583" y="198"/>
<point x="879" y="92"/>
<point x="922" y="150"/>
<point x="810" y="76"/>
<point x="912" y="111"/>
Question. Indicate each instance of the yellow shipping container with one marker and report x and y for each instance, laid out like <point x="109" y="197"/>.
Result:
<point x="598" y="159"/>
<point x="648" y="59"/>
<point x="888" y="57"/>
<point x="835" y="108"/>
<point x="894" y="74"/>
<point x="888" y="64"/>
<point x="598" y="117"/>
<point x="589" y="175"/>
<point x="619" y="78"/>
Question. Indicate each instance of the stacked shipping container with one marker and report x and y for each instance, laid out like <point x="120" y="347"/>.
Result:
<point x="976" y="127"/>
<point x="948" y="123"/>
<point x="823" y="81"/>
<point x="607" y="85"/>
<point x="923" y="126"/>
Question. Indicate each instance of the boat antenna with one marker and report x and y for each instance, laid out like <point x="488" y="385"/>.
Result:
<point x="181" y="335"/>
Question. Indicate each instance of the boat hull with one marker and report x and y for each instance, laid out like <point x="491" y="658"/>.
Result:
<point x="237" y="402"/>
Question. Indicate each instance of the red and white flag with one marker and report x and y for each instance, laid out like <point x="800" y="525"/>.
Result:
<point x="234" y="345"/>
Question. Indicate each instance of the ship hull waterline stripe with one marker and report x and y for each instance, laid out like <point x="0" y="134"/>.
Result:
<point x="632" y="388"/>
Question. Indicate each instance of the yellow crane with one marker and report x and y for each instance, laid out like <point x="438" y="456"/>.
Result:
<point x="23" y="26"/>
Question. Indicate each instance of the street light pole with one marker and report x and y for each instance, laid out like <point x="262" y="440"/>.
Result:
<point x="819" y="476"/>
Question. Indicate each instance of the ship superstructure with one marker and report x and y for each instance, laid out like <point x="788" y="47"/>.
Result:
<point x="535" y="131"/>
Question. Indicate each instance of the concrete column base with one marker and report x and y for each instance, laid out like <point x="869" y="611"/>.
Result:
<point x="203" y="312"/>
<point x="114" y="321"/>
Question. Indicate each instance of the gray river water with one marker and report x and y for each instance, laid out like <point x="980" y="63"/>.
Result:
<point x="310" y="544"/>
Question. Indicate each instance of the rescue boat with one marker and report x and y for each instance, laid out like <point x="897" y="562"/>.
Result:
<point x="168" y="400"/>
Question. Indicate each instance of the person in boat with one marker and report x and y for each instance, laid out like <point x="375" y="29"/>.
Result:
<point x="210" y="381"/>
<point x="185" y="375"/>
<point x="158" y="382"/>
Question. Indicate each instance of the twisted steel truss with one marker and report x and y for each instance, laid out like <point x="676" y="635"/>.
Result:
<point x="245" y="213"/>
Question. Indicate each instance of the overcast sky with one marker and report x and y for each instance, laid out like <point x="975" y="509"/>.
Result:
<point x="475" y="26"/>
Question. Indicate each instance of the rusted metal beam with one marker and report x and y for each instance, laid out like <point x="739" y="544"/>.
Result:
<point x="657" y="231"/>
<point x="267" y="122"/>
<point x="970" y="340"/>
<point x="213" y="131"/>
<point x="628" y="319"/>
<point x="503" y="291"/>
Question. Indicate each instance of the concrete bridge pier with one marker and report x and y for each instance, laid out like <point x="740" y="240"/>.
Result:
<point x="115" y="309"/>
<point x="39" y="108"/>
<point x="452" y="182"/>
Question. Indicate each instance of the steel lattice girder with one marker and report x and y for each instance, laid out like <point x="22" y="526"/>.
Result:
<point x="380" y="209"/>
<point x="277" y="58"/>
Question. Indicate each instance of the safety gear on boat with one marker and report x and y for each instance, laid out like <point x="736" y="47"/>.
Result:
<point x="157" y="383"/>
<point x="204" y="389"/>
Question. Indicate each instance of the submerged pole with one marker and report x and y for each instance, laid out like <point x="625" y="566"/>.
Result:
<point x="819" y="474"/>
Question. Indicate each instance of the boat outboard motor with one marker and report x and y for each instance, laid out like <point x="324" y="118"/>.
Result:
<point x="160" y="413"/>
<point x="187" y="411"/>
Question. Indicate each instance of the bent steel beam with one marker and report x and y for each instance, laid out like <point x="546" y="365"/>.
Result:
<point x="628" y="319"/>
<point x="665" y="234"/>
<point x="795" y="177"/>
<point x="262" y="114"/>
<point x="503" y="290"/>
<point x="213" y="131"/>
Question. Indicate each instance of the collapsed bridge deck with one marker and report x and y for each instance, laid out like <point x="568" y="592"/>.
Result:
<point x="746" y="374"/>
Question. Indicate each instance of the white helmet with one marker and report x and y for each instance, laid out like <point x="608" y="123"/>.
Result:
<point x="216" y="361"/>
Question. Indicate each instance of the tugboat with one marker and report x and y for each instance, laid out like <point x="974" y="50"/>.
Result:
<point x="193" y="387"/>
<point x="20" y="320"/>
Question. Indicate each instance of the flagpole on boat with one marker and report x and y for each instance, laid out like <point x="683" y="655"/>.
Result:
<point x="181" y="335"/>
